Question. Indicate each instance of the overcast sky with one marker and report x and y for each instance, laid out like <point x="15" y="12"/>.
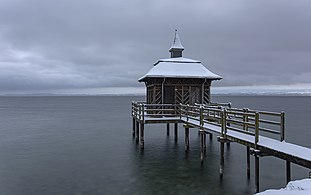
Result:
<point x="78" y="44"/>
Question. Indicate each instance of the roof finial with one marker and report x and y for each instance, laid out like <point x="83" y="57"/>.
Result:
<point x="176" y="48"/>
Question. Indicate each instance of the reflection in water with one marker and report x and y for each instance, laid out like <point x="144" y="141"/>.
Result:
<point x="84" y="145"/>
<point x="166" y="168"/>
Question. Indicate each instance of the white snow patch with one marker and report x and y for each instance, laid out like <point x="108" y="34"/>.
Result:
<point x="180" y="68"/>
<point x="179" y="59"/>
<point x="298" y="187"/>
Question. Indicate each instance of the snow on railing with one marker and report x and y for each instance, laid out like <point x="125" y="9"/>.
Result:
<point x="246" y="121"/>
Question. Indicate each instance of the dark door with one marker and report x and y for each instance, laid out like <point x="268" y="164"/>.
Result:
<point x="196" y="95"/>
<point x="169" y="94"/>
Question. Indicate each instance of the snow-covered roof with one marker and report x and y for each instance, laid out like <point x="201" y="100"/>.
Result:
<point x="176" y="42"/>
<point x="179" y="68"/>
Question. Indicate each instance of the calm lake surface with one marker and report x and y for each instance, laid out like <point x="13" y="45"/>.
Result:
<point x="84" y="145"/>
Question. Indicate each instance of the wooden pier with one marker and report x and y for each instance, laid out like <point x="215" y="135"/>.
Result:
<point x="261" y="132"/>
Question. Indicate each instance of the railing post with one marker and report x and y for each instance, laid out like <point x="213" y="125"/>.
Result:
<point x="225" y="121"/>
<point x="187" y="112"/>
<point x="201" y="117"/>
<point x="256" y="129"/>
<point x="282" y="127"/>
<point x="222" y="122"/>
<point x="248" y="159"/>
<point x="180" y="110"/>
<point x="139" y="111"/>
<point x="132" y="108"/>
<point x="143" y="111"/>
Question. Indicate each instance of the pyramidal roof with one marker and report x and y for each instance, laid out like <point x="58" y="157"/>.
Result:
<point x="179" y="68"/>
<point x="176" y="42"/>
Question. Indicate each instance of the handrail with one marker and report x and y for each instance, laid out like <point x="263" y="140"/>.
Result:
<point x="243" y="120"/>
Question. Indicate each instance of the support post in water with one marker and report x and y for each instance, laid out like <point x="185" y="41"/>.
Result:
<point x="186" y="138"/>
<point x="167" y="129"/>
<point x="201" y="132"/>
<point x="176" y="131"/>
<point x="222" y="156"/>
<point x="137" y="131"/>
<point x="257" y="173"/>
<point x="288" y="171"/>
<point x="248" y="162"/>
<point x="256" y="153"/>
<point x="133" y="127"/>
<point x="142" y="141"/>
<point x="204" y="141"/>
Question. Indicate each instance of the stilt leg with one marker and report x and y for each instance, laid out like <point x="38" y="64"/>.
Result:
<point x="176" y="131"/>
<point x="167" y="129"/>
<point x="186" y="139"/>
<point x="288" y="171"/>
<point x="142" y="141"/>
<point x="257" y="173"/>
<point x="204" y="141"/>
<point x="201" y="146"/>
<point x="137" y="132"/>
<point x="133" y="127"/>
<point x="222" y="158"/>
<point x="248" y="162"/>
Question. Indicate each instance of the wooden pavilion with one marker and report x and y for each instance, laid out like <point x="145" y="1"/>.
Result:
<point x="178" y="80"/>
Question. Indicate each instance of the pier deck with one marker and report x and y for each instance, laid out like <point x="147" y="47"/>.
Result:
<point x="263" y="133"/>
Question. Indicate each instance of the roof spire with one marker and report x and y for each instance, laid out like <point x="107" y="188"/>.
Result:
<point x="176" y="48"/>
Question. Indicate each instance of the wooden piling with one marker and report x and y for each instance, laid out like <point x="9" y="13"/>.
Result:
<point x="248" y="162"/>
<point x="176" y="131"/>
<point x="288" y="171"/>
<point x="201" y="147"/>
<point x="133" y="122"/>
<point x="167" y="129"/>
<point x="137" y="132"/>
<point x="142" y="141"/>
<point x="222" y="156"/>
<point x="186" y="138"/>
<point x="204" y="141"/>
<point x="256" y="173"/>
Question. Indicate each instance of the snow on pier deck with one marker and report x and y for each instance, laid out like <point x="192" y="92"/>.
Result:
<point x="262" y="132"/>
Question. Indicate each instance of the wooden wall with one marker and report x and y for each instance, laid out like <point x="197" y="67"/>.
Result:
<point x="185" y="91"/>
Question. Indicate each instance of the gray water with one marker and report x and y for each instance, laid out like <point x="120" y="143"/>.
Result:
<point x="83" y="145"/>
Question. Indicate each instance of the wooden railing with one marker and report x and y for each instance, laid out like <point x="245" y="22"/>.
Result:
<point x="140" y="110"/>
<point x="246" y="121"/>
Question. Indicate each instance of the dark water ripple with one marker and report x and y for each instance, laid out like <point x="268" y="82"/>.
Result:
<point x="83" y="145"/>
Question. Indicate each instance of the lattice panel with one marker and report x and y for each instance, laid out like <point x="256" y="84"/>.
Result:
<point x="157" y="97"/>
<point x="206" y="95"/>
<point x="178" y="94"/>
<point x="186" y="95"/>
<point x="149" y="95"/>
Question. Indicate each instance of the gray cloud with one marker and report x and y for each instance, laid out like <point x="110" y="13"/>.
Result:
<point x="88" y="44"/>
